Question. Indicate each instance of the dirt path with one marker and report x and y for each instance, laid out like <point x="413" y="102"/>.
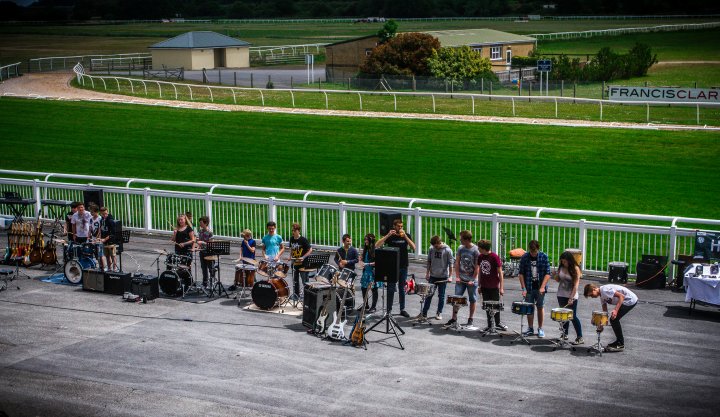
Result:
<point x="55" y="86"/>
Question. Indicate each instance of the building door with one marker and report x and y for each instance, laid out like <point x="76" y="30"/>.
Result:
<point x="508" y="56"/>
<point x="219" y="58"/>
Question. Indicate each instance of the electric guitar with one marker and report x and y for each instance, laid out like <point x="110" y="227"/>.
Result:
<point x="38" y="243"/>
<point x="357" y="335"/>
<point x="336" y="330"/>
<point x="320" y="323"/>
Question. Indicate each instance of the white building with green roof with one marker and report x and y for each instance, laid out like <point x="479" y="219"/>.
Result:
<point x="201" y="49"/>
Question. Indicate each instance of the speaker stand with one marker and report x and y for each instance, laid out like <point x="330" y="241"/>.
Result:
<point x="391" y="326"/>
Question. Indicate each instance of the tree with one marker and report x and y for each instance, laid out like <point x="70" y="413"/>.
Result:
<point x="405" y="54"/>
<point x="388" y="31"/>
<point x="458" y="64"/>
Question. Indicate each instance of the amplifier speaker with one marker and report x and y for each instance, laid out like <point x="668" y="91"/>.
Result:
<point x="387" y="265"/>
<point x="618" y="272"/>
<point x="145" y="286"/>
<point x="654" y="259"/>
<point x="680" y="269"/>
<point x="93" y="280"/>
<point x="650" y="276"/>
<point x="117" y="283"/>
<point x="386" y="221"/>
<point x="315" y="298"/>
<point x="91" y="195"/>
<point x="117" y="238"/>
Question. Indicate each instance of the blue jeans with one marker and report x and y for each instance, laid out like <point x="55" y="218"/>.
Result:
<point x="402" y="278"/>
<point x="534" y="297"/>
<point x="471" y="289"/>
<point x="441" y="284"/>
<point x="562" y="301"/>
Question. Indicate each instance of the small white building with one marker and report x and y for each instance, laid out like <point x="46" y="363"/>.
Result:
<point x="201" y="49"/>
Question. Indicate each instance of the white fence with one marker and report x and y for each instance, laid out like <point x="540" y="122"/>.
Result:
<point x="261" y="51"/>
<point x="10" y="70"/>
<point x="624" y="31"/>
<point x="176" y="91"/>
<point x="53" y="63"/>
<point x="324" y="219"/>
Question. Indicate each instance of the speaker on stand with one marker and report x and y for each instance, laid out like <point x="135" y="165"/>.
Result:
<point x="386" y="221"/>
<point x="93" y="195"/>
<point x="387" y="265"/>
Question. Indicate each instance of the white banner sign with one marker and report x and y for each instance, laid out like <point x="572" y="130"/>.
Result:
<point x="663" y="94"/>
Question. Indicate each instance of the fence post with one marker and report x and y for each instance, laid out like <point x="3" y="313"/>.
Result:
<point x="418" y="233"/>
<point x="414" y="84"/>
<point x="36" y="196"/>
<point x="672" y="249"/>
<point x="204" y="76"/>
<point x="482" y="85"/>
<point x="433" y="98"/>
<point x="562" y="87"/>
<point x="219" y="77"/>
<point x="208" y="208"/>
<point x="495" y="236"/>
<point x="360" y="98"/>
<point x="490" y="90"/>
<point x="251" y="80"/>
<point x="291" y="82"/>
<point x="513" y="105"/>
<point x="349" y="82"/>
<point x="235" y="78"/>
<point x="647" y="115"/>
<point x="698" y="113"/>
<point x="601" y="111"/>
<point x="272" y="210"/>
<point x="148" y="209"/>
<point x="342" y="211"/>
<point x="583" y="243"/>
<point x="574" y="91"/>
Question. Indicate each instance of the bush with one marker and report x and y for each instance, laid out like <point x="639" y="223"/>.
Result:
<point x="405" y="54"/>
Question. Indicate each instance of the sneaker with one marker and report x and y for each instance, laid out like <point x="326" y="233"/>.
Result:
<point x="487" y="329"/>
<point x="232" y="288"/>
<point x="469" y="322"/>
<point x="578" y="341"/>
<point x="438" y="316"/>
<point x="372" y="310"/>
<point x="614" y="348"/>
<point x="451" y="322"/>
<point x="404" y="313"/>
<point x="501" y="326"/>
<point x="541" y="333"/>
<point x="564" y="337"/>
<point x="420" y="316"/>
<point x="528" y="332"/>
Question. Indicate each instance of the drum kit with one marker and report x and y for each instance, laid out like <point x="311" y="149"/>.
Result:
<point x="492" y="307"/>
<point x="424" y="290"/>
<point x="79" y="257"/>
<point x="176" y="280"/>
<point x="561" y="315"/>
<point x="522" y="308"/>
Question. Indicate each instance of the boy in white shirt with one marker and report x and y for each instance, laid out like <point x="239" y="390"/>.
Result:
<point x="623" y="299"/>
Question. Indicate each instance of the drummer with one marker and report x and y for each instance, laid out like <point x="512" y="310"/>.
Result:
<point x="300" y="249"/>
<point x="568" y="277"/>
<point x="204" y="236"/>
<point x="347" y="255"/>
<point x="247" y="253"/>
<point x="272" y="242"/>
<point x="623" y="299"/>
<point x="80" y="224"/>
<point x="183" y="236"/>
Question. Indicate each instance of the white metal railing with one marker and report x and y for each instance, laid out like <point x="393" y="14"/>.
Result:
<point x="178" y="91"/>
<point x="10" y="70"/>
<point x="123" y="62"/>
<point x="261" y="51"/>
<point x="154" y="210"/>
<point x="53" y="63"/>
<point x="623" y="31"/>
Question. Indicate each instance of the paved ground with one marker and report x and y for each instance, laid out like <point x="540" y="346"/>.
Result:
<point x="67" y="352"/>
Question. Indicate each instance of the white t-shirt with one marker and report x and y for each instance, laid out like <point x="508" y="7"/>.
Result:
<point x="607" y="294"/>
<point x="95" y="225"/>
<point x="82" y="227"/>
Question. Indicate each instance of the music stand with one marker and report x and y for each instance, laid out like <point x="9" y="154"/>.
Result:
<point x="217" y="248"/>
<point x="315" y="260"/>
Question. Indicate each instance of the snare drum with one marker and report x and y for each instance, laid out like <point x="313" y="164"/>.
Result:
<point x="457" y="300"/>
<point x="325" y="274"/>
<point x="245" y="275"/>
<point x="522" y="308"/>
<point x="493" y="305"/>
<point x="346" y="278"/>
<point x="561" y="314"/>
<point x="281" y="269"/>
<point x="270" y="293"/>
<point x="425" y="289"/>
<point x="599" y="318"/>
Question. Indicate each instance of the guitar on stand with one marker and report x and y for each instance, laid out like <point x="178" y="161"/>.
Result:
<point x="322" y="317"/>
<point x="357" y="334"/>
<point x="336" y="331"/>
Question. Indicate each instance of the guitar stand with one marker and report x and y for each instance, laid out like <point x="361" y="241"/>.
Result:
<point x="391" y="326"/>
<point x="18" y="260"/>
<point x="562" y="342"/>
<point x="520" y="337"/>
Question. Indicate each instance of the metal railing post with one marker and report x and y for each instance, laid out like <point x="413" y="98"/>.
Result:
<point x="418" y="233"/>
<point x="272" y="210"/>
<point x="672" y="248"/>
<point x="304" y="209"/>
<point x="36" y="196"/>
<point x="495" y="234"/>
<point x="208" y="208"/>
<point x="342" y="211"/>
<point x="148" y="209"/>
<point x="582" y="228"/>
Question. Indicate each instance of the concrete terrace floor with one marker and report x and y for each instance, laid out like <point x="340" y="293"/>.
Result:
<point x="68" y="352"/>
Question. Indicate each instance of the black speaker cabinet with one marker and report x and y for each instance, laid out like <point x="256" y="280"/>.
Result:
<point x="387" y="265"/>
<point x="145" y="286"/>
<point x="386" y="221"/>
<point x="654" y="259"/>
<point x="315" y="297"/>
<point x="618" y="272"/>
<point x="117" y="283"/>
<point x="650" y="276"/>
<point x="93" y="280"/>
<point x="117" y="235"/>
<point x="92" y="195"/>
<point x="680" y="269"/>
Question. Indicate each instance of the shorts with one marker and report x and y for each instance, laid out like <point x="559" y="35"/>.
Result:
<point x="534" y="297"/>
<point x="460" y="287"/>
<point x="109" y="250"/>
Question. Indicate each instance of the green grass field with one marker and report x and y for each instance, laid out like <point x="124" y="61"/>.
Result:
<point x="669" y="173"/>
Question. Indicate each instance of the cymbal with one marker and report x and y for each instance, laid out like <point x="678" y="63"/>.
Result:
<point x="161" y="251"/>
<point x="322" y="280"/>
<point x="342" y="283"/>
<point x="280" y="274"/>
<point x="250" y="261"/>
<point x="263" y="273"/>
<point x="210" y="258"/>
<point x="307" y="269"/>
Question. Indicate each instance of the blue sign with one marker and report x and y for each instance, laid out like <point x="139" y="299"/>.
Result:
<point x="544" y="65"/>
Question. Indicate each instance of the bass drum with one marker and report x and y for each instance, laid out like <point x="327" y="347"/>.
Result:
<point x="171" y="282"/>
<point x="270" y="293"/>
<point x="74" y="269"/>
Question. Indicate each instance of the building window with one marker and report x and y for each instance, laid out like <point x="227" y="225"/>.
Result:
<point x="495" y="53"/>
<point x="477" y="49"/>
<point x="368" y="52"/>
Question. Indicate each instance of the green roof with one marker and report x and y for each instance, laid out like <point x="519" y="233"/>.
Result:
<point x="477" y="37"/>
<point x="199" y="39"/>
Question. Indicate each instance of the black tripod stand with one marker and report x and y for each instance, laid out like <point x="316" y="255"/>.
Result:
<point x="391" y="326"/>
<point x="217" y="248"/>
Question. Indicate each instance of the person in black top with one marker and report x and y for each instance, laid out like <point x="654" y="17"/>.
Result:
<point x="68" y="220"/>
<point x="347" y="255"/>
<point x="398" y="238"/>
<point x="107" y="227"/>
<point x="183" y="236"/>
<point x="299" y="250"/>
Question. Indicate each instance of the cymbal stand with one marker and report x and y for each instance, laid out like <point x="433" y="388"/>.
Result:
<point x="391" y="326"/>
<point x="598" y="346"/>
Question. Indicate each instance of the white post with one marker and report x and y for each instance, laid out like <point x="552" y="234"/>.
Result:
<point x="272" y="209"/>
<point x="672" y="249"/>
<point x="208" y="208"/>
<point x="148" y="209"/>
<point x="583" y="242"/>
<point x="343" y="218"/>
<point x="418" y="233"/>
<point x="495" y="236"/>
<point x="36" y="196"/>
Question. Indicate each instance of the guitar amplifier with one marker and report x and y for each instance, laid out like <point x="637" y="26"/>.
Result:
<point x="316" y="296"/>
<point x="93" y="280"/>
<point x="145" y="286"/>
<point x="117" y="283"/>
